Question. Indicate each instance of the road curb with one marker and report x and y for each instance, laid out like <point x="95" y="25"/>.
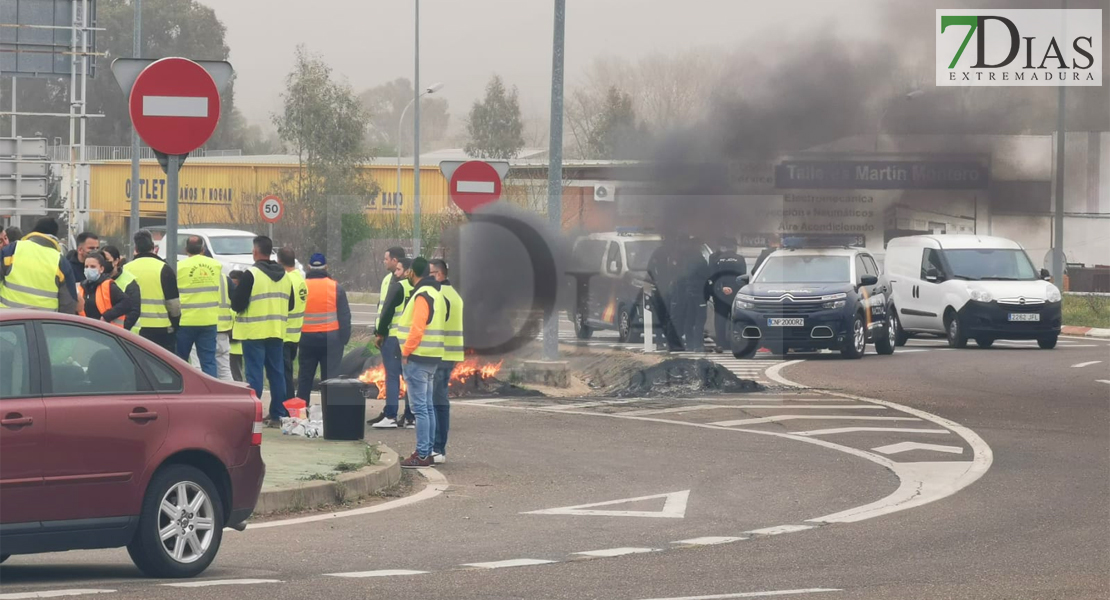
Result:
<point x="346" y="487"/>
<point x="1091" y="332"/>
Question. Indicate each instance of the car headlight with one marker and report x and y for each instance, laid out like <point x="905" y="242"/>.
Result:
<point x="744" y="302"/>
<point x="835" y="304"/>
<point x="1053" y="294"/>
<point x="980" y="295"/>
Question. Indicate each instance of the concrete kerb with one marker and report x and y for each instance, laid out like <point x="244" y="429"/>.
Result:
<point x="1091" y="332"/>
<point x="368" y="480"/>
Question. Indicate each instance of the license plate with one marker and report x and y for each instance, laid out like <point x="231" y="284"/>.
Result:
<point x="786" y="322"/>
<point x="1025" y="316"/>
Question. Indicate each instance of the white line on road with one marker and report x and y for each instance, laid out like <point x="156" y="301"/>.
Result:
<point x="52" y="594"/>
<point x="674" y="507"/>
<point x="908" y="446"/>
<point x="384" y="573"/>
<point x="773" y="374"/>
<point x="592" y="404"/>
<point x="693" y="407"/>
<point x="611" y="552"/>
<point x="504" y="564"/>
<point x="218" y="582"/>
<point x="863" y="429"/>
<point x="756" y="594"/>
<point x="175" y="106"/>
<point x="711" y="540"/>
<point x="778" y="418"/>
<point x="779" y="530"/>
<point x="913" y="350"/>
<point x="1085" y="364"/>
<point x="1080" y="346"/>
<point x="437" y="484"/>
<point x="1103" y="380"/>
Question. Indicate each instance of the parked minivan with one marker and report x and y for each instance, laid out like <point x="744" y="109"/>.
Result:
<point x="970" y="287"/>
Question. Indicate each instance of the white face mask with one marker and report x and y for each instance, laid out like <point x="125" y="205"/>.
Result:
<point x="92" y="274"/>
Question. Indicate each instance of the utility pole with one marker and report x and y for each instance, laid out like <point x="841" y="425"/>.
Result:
<point x="416" y="143"/>
<point x="136" y="52"/>
<point x="1058" y="216"/>
<point x="555" y="164"/>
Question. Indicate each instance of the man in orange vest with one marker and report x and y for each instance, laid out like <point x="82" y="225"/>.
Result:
<point x="327" y="327"/>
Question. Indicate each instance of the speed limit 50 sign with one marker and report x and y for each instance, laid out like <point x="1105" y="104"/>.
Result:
<point x="271" y="209"/>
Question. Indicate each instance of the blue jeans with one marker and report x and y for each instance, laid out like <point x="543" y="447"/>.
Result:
<point x="391" y="359"/>
<point x="419" y="377"/>
<point x="205" y="339"/>
<point x="441" y="405"/>
<point x="268" y="354"/>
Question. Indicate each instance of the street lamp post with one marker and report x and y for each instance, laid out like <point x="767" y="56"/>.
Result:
<point x="435" y="87"/>
<point x="879" y="125"/>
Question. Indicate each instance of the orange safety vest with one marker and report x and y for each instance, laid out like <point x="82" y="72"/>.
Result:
<point x="103" y="300"/>
<point x="320" y="312"/>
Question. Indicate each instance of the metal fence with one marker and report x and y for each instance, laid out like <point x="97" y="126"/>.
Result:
<point x="104" y="153"/>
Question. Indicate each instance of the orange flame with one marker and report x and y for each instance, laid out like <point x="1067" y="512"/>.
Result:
<point x="376" y="376"/>
<point x="464" y="371"/>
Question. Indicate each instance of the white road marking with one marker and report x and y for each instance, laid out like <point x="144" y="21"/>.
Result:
<point x="710" y="541"/>
<point x="911" y="351"/>
<point x="1079" y="346"/>
<point x="53" y="594"/>
<point x="773" y="374"/>
<point x="756" y="594"/>
<point x="591" y="404"/>
<point x="384" y="573"/>
<point x="673" y="508"/>
<point x="1085" y="364"/>
<point x="779" y="530"/>
<point x="504" y="564"/>
<point x="867" y="429"/>
<point x="218" y="582"/>
<point x="1103" y="380"/>
<point x="778" y="418"/>
<point x="908" y="446"/>
<point x="482" y="401"/>
<point x="617" y="552"/>
<point x="475" y="187"/>
<point x="175" y="106"/>
<point x="437" y="484"/>
<point x="696" y="407"/>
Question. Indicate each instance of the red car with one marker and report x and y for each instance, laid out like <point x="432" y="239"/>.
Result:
<point x="107" y="440"/>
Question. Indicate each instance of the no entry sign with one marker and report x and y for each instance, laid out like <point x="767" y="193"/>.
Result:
<point x="474" y="184"/>
<point x="271" y="209"/>
<point x="175" y="105"/>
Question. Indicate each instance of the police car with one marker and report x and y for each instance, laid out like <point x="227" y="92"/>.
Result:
<point x="809" y="296"/>
<point x="611" y="270"/>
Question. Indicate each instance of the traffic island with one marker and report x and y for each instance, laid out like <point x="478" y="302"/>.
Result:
<point x="305" y="474"/>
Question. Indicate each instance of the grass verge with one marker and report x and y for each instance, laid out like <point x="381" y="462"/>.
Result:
<point x="1087" y="311"/>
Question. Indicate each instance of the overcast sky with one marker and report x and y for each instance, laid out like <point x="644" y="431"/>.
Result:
<point x="464" y="42"/>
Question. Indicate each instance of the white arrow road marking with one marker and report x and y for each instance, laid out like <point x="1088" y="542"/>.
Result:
<point x="855" y="429"/>
<point x="756" y="594"/>
<point x="1085" y="364"/>
<point x="777" y="418"/>
<point x="384" y="573"/>
<point x="53" y="594"/>
<point x="503" y="564"/>
<point x="475" y="187"/>
<point x="907" y="446"/>
<point x="175" y="106"/>
<point x="216" y="582"/>
<point x="673" y="508"/>
<point x="617" y="552"/>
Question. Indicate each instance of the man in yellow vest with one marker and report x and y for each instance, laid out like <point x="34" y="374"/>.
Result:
<point x="453" y="354"/>
<point x="149" y="279"/>
<point x="262" y="302"/>
<point x="386" y="339"/>
<point x="35" y="275"/>
<point x="421" y="334"/>
<point x="198" y="282"/>
<point x="288" y="261"/>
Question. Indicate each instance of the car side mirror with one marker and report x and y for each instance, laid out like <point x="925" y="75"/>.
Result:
<point x="932" y="275"/>
<point x="1045" y="275"/>
<point x="744" y="279"/>
<point x="868" y="280"/>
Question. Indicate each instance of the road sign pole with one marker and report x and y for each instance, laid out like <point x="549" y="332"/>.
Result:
<point x="136" y="51"/>
<point x="555" y="164"/>
<point x="173" y="167"/>
<point x="270" y="231"/>
<point x="416" y="143"/>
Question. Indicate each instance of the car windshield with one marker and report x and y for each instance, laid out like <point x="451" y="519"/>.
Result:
<point x="232" y="244"/>
<point x="805" y="269"/>
<point x="639" y="253"/>
<point x="991" y="264"/>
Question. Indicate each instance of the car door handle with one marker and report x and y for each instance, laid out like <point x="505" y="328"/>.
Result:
<point x="16" y="420"/>
<point x="142" y="415"/>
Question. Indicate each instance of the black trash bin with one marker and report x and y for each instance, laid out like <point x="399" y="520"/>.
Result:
<point x="344" y="409"/>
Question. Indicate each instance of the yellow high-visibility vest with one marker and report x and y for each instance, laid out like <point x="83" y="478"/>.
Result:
<point x="268" y="311"/>
<point x="431" y="344"/>
<point x="300" y="299"/>
<point x="198" y="281"/>
<point x="453" y="349"/>
<point x="147" y="273"/>
<point x="34" y="279"/>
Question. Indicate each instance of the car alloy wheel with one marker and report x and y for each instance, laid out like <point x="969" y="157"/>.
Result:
<point x="892" y="331"/>
<point x="625" y="326"/>
<point x="860" y="337"/>
<point x="186" y="522"/>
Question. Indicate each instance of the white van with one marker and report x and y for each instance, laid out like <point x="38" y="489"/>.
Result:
<point x="231" y="247"/>
<point x="970" y="287"/>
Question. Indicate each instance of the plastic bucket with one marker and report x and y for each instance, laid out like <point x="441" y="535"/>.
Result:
<point x="297" y="408"/>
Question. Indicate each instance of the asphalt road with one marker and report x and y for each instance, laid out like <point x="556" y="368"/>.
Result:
<point x="933" y="473"/>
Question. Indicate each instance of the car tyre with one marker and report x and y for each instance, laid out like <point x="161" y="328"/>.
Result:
<point x="581" y="330"/>
<point x="856" y="344"/>
<point x="200" y="517"/>
<point x="1047" y="343"/>
<point x="625" y="331"/>
<point x="888" y="341"/>
<point x="984" y="342"/>
<point x="955" y="332"/>
<point x="900" y="335"/>
<point x="744" y="349"/>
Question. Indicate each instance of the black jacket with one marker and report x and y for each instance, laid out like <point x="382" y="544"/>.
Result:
<point x="121" y="303"/>
<point x="342" y="308"/>
<point x="394" y="302"/>
<point x="241" y="297"/>
<point x="169" y="291"/>
<point x="77" y="265"/>
<point x="725" y="267"/>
